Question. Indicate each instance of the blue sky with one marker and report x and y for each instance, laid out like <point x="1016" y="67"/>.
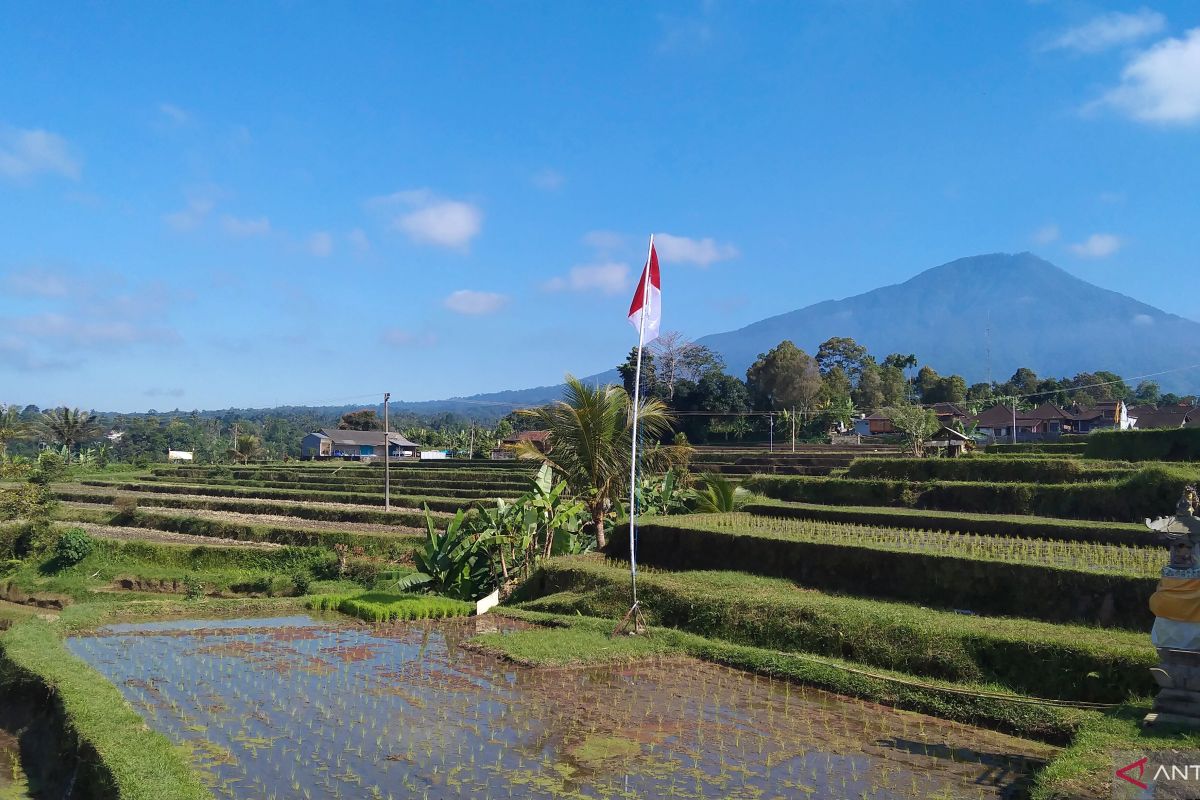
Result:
<point x="252" y="204"/>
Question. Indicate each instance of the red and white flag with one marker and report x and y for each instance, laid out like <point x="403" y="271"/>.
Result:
<point x="647" y="302"/>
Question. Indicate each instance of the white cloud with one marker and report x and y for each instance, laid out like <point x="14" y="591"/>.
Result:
<point x="320" y="244"/>
<point x="200" y="203"/>
<point x="399" y="337"/>
<point x="243" y="228"/>
<point x="1046" y="234"/>
<point x="607" y="278"/>
<point x="1109" y="30"/>
<point x="1143" y="319"/>
<point x="1160" y="84"/>
<point x="359" y="241"/>
<point x="38" y="282"/>
<point x="604" y="240"/>
<point x="434" y="220"/>
<point x="174" y="114"/>
<point x="701" y="252"/>
<point x="28" y="152"/>
<point x="549" y="179"/>
<point x="1098" y="245"/>
<point x="466" y="301"/>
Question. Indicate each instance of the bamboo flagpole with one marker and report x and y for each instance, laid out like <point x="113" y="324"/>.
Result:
<point x="645" y="314"/>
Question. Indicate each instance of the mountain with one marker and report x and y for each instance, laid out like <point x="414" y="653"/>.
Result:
<point x="1026" y="311"/>
<point x="982" y="317"/>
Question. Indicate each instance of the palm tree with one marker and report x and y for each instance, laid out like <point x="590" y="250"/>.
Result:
<point x="248" y="447"/>
<point x="69" y="427"/>
<point x="12" y="427"/>
<point x="589" y="443"/>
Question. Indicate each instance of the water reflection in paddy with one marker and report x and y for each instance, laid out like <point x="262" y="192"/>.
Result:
<point x="299" y="707"/>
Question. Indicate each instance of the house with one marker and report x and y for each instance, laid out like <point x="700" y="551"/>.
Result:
<point x="1047" y="421"/>
<point x="1149" y="416"/>
<point x="950" y="413"/>
<point x="1105" y="414"/>
<point x="355" y="445"/>
<point x="505" y="448"/>
<point x="878" y="423"/>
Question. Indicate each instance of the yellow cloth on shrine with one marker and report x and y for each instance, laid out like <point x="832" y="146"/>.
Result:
<point x="1177" y="599"/>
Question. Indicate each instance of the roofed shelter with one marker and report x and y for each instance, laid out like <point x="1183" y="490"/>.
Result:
<point x="355" y="445"/>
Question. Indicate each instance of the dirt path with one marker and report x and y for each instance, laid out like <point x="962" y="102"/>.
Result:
<point x="282" y="521"/>
<point x="152" y="535"/>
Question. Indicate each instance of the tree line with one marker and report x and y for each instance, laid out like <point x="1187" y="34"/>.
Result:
<point x="829" y="388"/>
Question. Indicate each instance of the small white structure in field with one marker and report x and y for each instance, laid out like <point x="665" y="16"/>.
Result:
<point x="486" y="604"/>
<point x="427" y="455"/>
<point x="180" y="455"/>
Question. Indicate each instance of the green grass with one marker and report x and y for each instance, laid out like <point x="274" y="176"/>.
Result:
<point x="572" y="646"/>
<point x="358" y="498"/>
<point x="119" y="756"/>
<point x="398" y="516"/>
<point x="960" y="522"/>
<point x="165" y="566"/>
<point x="397" y="545"/>
<point x="1085" y="769"/>
<point x="1146" y="561"/>
<point x="1072" y="662"/>
<point x="1150" y="492"/>
<point x="852" y="564"/>
<point x="384" y="607"/>
<point x="888" y="687"/>
<point x="1028" y="470"/>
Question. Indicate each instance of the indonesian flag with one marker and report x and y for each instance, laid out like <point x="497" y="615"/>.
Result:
<point x="647" y="303"/>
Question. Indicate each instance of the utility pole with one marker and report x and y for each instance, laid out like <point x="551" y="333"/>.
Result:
<point x="471" y="450"/>
<point x="1014" y="428"/>
<point x="387" y="462"/>
<point x="793" y="429"/>
<point x="771" y="435"/>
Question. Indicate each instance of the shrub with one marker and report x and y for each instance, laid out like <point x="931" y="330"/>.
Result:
<point x="73" y="546"/>
<point x="193" y="589"/>
<point x="1167" y="444"/>
<point x="1149" y="492"/>
<point x="125" y="504"/>
<point x="301" y="582"/>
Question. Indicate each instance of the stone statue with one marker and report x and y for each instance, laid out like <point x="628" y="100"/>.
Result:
<point x="1176" y="608"/>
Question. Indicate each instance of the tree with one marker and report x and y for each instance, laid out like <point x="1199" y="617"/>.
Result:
<point x="916" y="423"/>
<point x="836" y="386"/>
<point x="716" y="393"/>
<point x="1148" y="392"/>
<point x="69" y="427"/>
<point x="900" y="361"/>
<point x="893" y="384"/>
<point x="12" y="427"/>
<point x="784" y="377"/>
<point x="868" y="394"/>
<point x="676" y="359"/>
<point x="844" y="353"/>
<point x="628" y="373"/>
<point x="247" y="448"/>
<point x="589" y="444"/>
<point x="363" y="420"/>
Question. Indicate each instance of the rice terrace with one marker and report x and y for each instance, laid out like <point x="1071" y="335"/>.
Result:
<point x="686" y="400"/>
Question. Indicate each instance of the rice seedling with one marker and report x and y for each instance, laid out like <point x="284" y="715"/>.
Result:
<point x="1090" y="556"/>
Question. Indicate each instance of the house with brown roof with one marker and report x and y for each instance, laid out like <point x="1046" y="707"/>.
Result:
<point x="355" y="445"/>
<point x="506" y="448"/>
<point x="1047" y="421"/>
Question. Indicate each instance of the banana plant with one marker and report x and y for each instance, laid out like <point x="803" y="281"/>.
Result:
<point x="453" y="563"/>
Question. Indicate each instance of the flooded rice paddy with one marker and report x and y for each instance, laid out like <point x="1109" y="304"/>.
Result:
<point x="304" y="707"/>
